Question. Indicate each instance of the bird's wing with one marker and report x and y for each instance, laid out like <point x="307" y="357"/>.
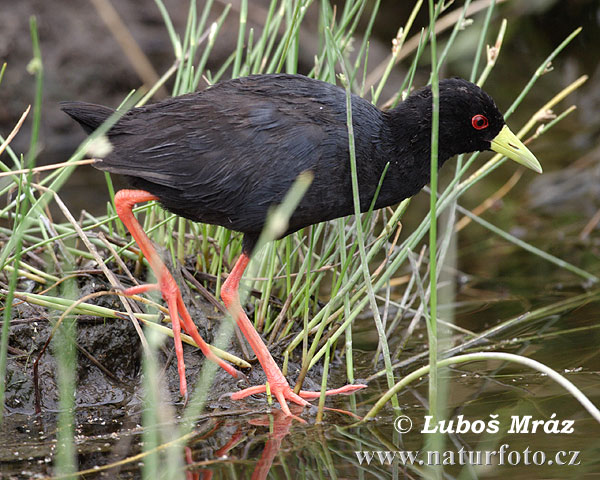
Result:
<point x="225" y="155"/>
<point x="218" y="141"/>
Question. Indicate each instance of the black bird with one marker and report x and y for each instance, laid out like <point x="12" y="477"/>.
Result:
<point x="225" y="155"/>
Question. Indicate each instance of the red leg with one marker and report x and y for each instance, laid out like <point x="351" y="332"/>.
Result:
<point x="180" y="318"/>
<point x="278" y="384"/>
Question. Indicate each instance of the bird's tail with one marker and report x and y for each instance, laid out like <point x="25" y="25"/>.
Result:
<point x="88" y="115"/>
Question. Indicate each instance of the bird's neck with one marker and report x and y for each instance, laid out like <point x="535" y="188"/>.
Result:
<point x="408" y="147"/>
<point x="410" y="125"/>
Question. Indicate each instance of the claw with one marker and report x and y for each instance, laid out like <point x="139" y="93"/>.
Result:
<point x="242" y="376"/>
<point x="225" y="396"/>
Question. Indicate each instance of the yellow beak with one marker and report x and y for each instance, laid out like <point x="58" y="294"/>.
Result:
<point x="507" y="144"/>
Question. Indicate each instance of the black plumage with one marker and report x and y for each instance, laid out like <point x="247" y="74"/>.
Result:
<point x="226" y="154"/>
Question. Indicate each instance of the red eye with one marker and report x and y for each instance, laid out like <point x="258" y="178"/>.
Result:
<point x="479" y="122"/>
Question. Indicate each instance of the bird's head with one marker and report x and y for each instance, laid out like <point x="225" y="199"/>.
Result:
<point x="470" y="121"/>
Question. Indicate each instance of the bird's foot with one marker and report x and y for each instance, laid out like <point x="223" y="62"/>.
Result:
<point x="278" y="385"/>
<point x="281" y="390"/>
